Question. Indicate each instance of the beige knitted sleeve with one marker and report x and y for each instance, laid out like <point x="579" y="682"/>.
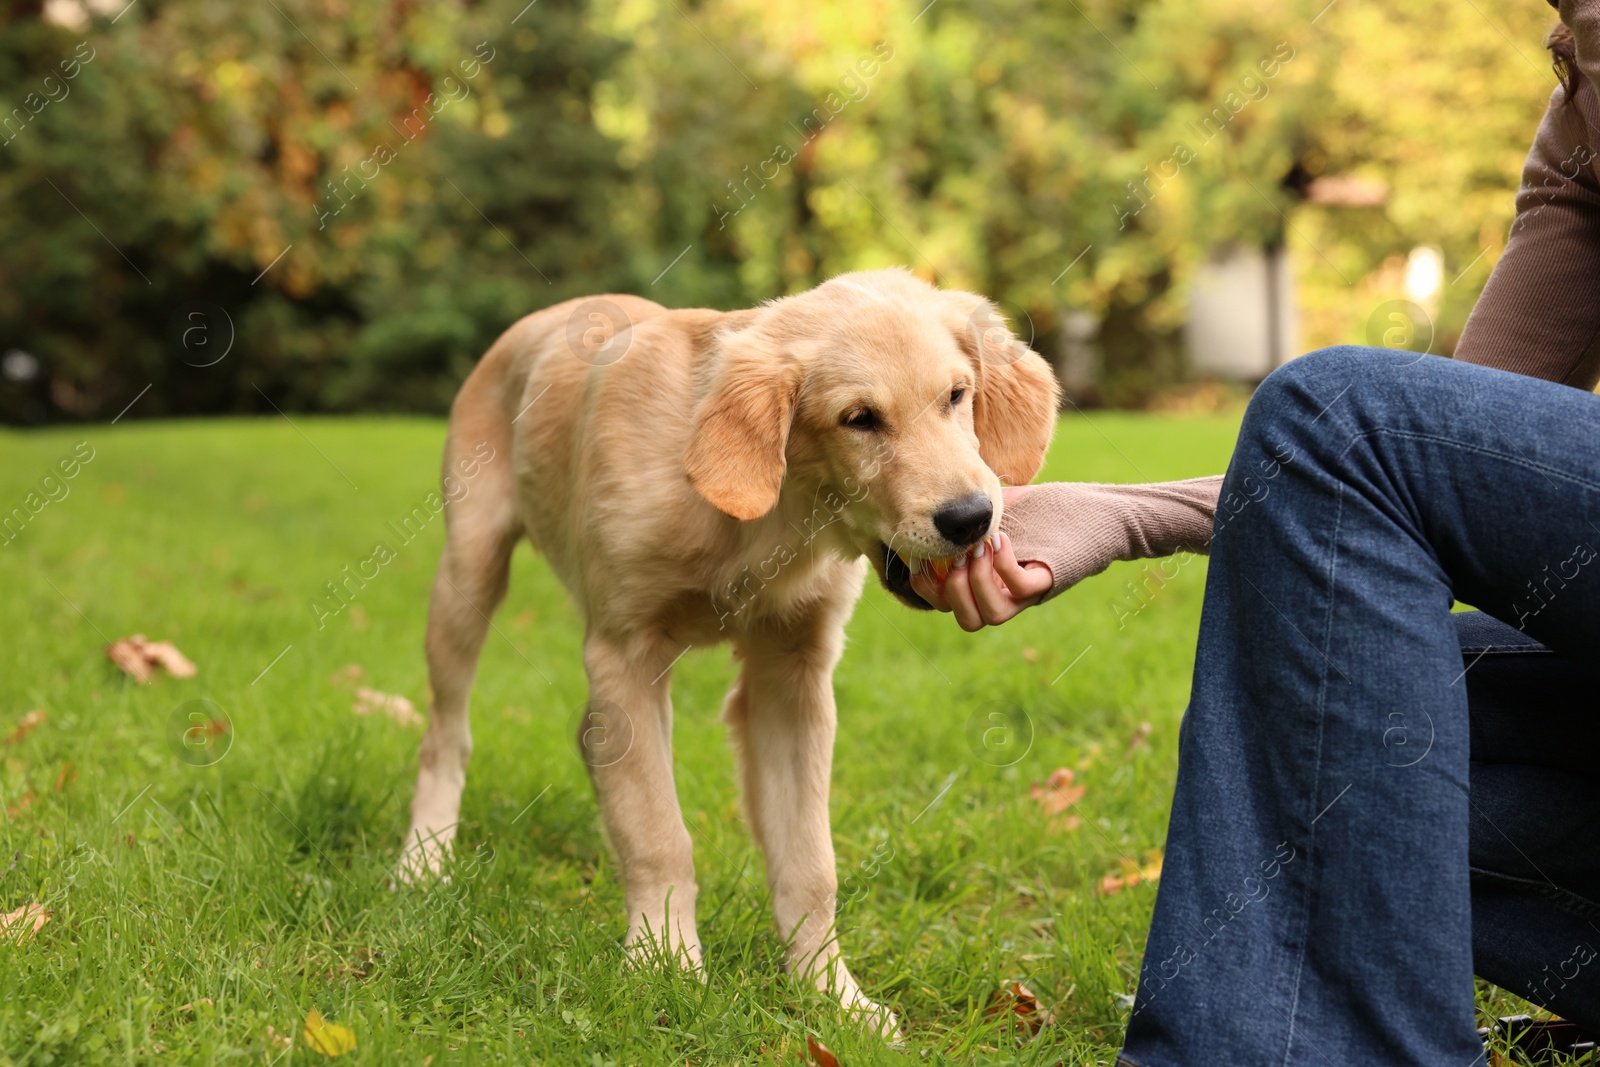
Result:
<point x="1078" y="529"/>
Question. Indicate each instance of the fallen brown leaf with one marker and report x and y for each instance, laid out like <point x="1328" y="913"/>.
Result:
<point x="26" y="725"/>
<point x="821" y="1055"/>
<point x="1141" y="737"/>
<point x="138" y="657"/>
<point x="1058" y="793"/>
<point x="165" y="654"/>
<point x="68" y="775"/>
<point x="1017" y="1002"/>
<point x="1031" y="655"/>
<point x="129" y="658"/>
<point x="23" y="923"/>
<point x="1132" y="874"/>
<point x="398" y="708"/>
<point x="23" y="803"/>
<point x="349" y="674"/>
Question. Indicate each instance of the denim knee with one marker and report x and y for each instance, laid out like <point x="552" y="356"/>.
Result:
<point x="1296" y="404"/>
<point x="1304" y="386"/>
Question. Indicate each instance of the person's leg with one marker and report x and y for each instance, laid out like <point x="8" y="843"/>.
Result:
<point x="1315" y="905"/>
<point x="1535" y="820"/>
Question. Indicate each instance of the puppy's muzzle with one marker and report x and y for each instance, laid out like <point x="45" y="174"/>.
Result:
<point x="895" y="576"/>
<point x="965" y="520"/>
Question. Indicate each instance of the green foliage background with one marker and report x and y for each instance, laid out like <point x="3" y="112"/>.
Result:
<point x="715" y="153"/>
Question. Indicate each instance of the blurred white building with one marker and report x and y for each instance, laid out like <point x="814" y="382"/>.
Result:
<point x="1243" y="319"/>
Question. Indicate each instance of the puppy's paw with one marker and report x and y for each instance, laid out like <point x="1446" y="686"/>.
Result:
<point x="419" y="865"/>
<point x="874" y="1016"/>
<point x="645" y="950"/>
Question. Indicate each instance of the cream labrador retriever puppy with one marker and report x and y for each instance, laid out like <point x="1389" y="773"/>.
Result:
<point x="699" y="476"/>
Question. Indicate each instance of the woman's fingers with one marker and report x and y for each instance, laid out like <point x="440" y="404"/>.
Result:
<point x="930" y="589"/>
<point x="985" y="587"/>
<point x="994" y="601"/>
<point x="958" y="591"/>
<point x="1025" y="582"/>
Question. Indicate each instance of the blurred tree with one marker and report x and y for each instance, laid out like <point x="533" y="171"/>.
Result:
<point x="371" y="189"/>
<point x="1030" y="154"/>
<point x="324" y="181"/>
<point x="1437" y="103"/>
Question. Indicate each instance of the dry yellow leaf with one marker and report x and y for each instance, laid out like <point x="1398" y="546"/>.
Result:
<point x="138" y="656"/>
<point x="1132" y="874"/>
<point x="166" y="654"/>
<point x="23" y="923"/>
<point x="330" y="1039"/>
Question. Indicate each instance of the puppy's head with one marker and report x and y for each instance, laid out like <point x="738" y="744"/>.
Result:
<point x="896" y="409"/>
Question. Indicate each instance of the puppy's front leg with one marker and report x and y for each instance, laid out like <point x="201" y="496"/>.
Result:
<point x="625" y="737"/>
<point x="782" y="716"/>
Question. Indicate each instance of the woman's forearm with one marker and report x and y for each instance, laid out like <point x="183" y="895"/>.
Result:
<point x="1079" y="529"/>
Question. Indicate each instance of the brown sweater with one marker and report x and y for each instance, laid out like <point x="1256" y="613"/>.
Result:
<point x="1539" y="315"/>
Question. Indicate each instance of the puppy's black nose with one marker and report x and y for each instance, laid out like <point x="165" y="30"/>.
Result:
<point x="964" y="521"/>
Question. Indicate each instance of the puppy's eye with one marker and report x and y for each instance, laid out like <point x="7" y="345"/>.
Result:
<point x="957" y="395"/>
<point x="860" y="419"/>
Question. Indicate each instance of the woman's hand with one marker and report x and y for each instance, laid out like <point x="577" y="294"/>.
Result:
<point x="989" y="585"/>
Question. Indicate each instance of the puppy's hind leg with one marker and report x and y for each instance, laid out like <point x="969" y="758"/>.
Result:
<point x="480" y="532"/>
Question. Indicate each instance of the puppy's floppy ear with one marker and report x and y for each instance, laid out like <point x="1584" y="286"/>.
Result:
<point x="741" y="429"/>
<point x="1014" y="404"/>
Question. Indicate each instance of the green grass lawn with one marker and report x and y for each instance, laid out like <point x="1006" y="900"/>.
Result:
<point x="201" y="909"/>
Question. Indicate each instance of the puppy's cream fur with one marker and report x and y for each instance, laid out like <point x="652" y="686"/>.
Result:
<point x="704" y="489"/>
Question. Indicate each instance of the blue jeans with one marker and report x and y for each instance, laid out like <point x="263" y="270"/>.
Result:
<point x="1375" y="797"/>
